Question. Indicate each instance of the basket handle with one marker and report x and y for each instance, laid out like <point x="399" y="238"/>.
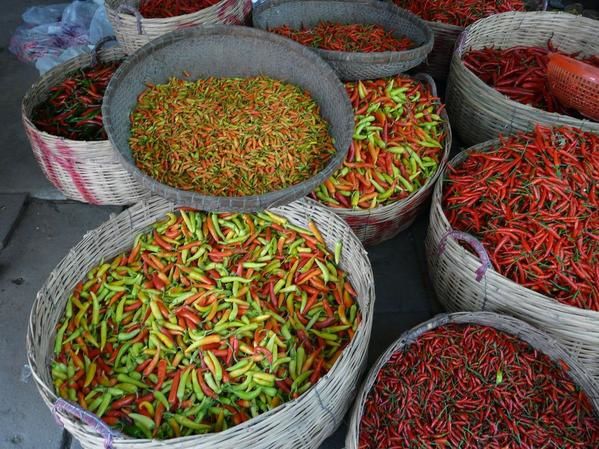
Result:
<point x="88" y="418"/>
<point x="476" y="246"/>
<point x="459" y="43"/>
<point x="132" y="10"/>
<point x="98" y="47"/>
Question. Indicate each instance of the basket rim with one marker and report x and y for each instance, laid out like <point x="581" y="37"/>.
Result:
<point x="501" y="322"/>
<point x="414" y="196"/>
<point x="305" y="204"/>
<point x="161" y="20"/>
<point x="55" y="75"/>
<point x="382" y="57"/>
<point x="539" y="298"/>
<point x="224" y="203"/>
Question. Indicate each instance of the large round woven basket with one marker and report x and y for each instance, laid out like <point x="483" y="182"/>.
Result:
<point x="477" y="111"/>
<point x="133" y="31"/>
<point x="454" y="271"/>
<point x="373" y="226"/>
<point x="81" y="170"/>
<point x="302" y="423"/>
<point x="225" y="51"/>
<point x="535" y="337"/>
<point x="351" y="65"/>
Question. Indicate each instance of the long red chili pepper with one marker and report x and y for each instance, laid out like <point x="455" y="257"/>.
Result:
<point x="73" y="109"/>
<point x="459" y="12"/>
<point x="520" y="73"/>
<point x="159" y="9"/>
<point x="472" y="386"/>
<point x="533" y="201"/>
<point x="353" y="37"/>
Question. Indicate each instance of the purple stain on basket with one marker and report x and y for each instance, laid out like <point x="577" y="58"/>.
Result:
<point x="46" y="156"/>
<point x="67" y="162"/>
<point x="474" y="244"/>
<point x="138" y="17"/>
<point x="87" y="417"/>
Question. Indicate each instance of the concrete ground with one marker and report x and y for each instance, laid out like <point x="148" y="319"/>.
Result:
<point x="45" y="226"/>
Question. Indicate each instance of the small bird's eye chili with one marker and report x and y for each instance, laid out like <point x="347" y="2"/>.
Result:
<point x="459" y="12"/>
<point x="73" y="108"/>
<point x="352" y="38"/>
<point x="210" y="320"/>
<point x="397" y="144"/>
<point x="472" y="386"/>
<point x="229" y="136"/>
<point x="533" y="201"/>
<point x="159" y="9"/>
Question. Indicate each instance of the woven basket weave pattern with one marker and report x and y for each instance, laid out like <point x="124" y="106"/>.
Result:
<point x="125" y="25"/>
<point x="535" y="337"/>
<point x="81" y="170"/>
<point x="301" y="423"/>
<point x="477" y="111"/>
<point x="221" y="51"/>
<point x="454" y="280"/>
<point x="374" y="226"/>
<point x="353" y="65"/>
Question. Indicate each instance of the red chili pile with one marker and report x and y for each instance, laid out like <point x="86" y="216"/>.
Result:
<point x="471" y="386"/>
<point x="533" y="201"/>
<point x="459" y="12"/>
<point x="73" y="108"/>
<point x="397" y="144"/>
<point x="354" y="37"/>
<point x="520" y="73"/>
<point x="160" y="9"/>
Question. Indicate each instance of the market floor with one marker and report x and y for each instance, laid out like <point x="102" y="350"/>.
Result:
<point x="44" y="227"/>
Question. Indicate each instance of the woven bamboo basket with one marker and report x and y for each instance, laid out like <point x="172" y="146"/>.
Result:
<point x="81" y="170"/>
<point x="301" y="423"/>
<point x="462" y="284"/>
<point x="477" y="111"/>
<point x="535" y="337"/>
<point x="133" y="31"/>
<point x="374" y="226"/>
<point x="226" y="51"/>
<point x="353" y="65"/>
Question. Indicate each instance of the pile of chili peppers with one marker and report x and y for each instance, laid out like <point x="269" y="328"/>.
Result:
<point x="397" y="144"/>
<point x="352" y="38"/>
<point x="210" y="320"/>
<point x="160" y="9"/>
<point x="533" y="201"/>
<point x="471" y="386"/>
<point x="73" y="108"/>
<point x="520" y="73"/>
<point x="229" y="136"/>
<point x="459" y="12"/>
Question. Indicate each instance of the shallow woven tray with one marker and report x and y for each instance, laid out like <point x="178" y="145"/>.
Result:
<point x="477" y="111"/>
<point x="353" y="65"/>
<point x="87" y="171"/>
<point x="222" y="51"/>
<point x="454" y="270"/>
<point x="374" y="226"/>
<point x="133" y="31"/>
<point x="301" y="423"/>
<point x="535" y="337"/>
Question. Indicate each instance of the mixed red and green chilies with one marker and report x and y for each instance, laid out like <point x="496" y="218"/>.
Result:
<point x="347" y="37"/>
<point x="73" y="107"/>
<point x="397" y="144"/>
<point x="533" y="201"/>
<point x="471" y="386"/>
<point x="209" y="320"/>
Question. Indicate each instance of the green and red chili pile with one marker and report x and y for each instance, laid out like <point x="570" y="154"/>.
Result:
<point x="352" y="38"/>
<point x="533" y="201"/>
<point x="397" y="144"/>
<point x="210" y="320"/>
<point x="160" y="9"/>
<point x="520" y="73"/>
<point x="459" y="12"/>
<point x="472" y="386"/>
<point x="229" y="136"/>
<point x="73" y="108"/>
